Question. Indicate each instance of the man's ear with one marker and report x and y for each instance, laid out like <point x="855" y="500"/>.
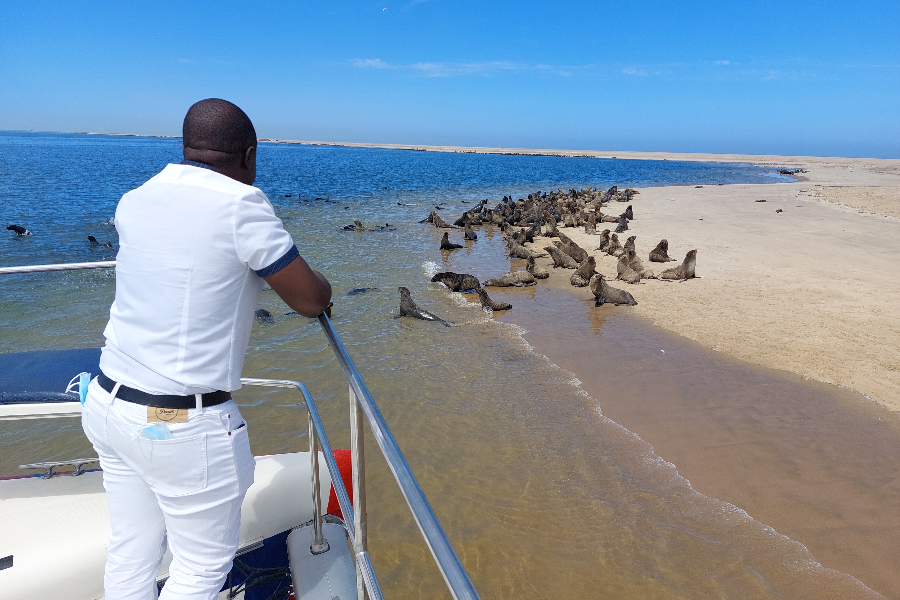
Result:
<point x="249" y="157"/>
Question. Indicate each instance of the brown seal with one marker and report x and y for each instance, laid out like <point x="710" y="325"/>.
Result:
<point x="582" y="275"/>
<point x="624" y="270"/>
<point x="614" y="248"/>
<point x="604" y="240"/>
<point x="560" y="258"/>
<point x="408" y="308"/>
<point x="603" y="293"/>
<point x="622" y="226"/>
<point x="537" y="271"/>
<point x="638" y="266"/>
<point x="517" y="250"/>
<point x="468" y="233"/>
<point x="486" y="302"/>
<point x="683" y="271"/>
<point x="438" y="222"/>
<point x="629" y="244"/>
<point x="607" y="218"/>
<point x="447" y="245"/>
<point x="457" y="282"/>
<point x="590" y="225"/>
<point x="628" y="214"/>
<point x="514" y="279"/>
<point x="661" y="252"/>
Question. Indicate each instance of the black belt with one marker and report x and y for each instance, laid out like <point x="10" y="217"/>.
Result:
<point x="161" y="400"/>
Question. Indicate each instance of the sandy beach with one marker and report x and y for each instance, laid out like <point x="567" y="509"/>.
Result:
<point x="813" y="290"/>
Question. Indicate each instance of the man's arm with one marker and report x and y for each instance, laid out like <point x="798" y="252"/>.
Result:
<point x="304" y="290"/>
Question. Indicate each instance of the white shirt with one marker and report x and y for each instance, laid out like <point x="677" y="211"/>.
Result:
<point x="194" y="245"/>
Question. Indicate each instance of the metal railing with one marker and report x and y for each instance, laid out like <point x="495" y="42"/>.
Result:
<point x="361" y="404"/>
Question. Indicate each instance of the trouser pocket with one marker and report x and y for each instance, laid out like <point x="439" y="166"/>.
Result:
<point x="176" y="467"/>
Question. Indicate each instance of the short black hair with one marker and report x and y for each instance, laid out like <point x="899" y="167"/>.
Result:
<point x="216" y="124"/>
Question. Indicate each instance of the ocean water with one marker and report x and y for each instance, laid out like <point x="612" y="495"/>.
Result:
<point x="541" y="495"/>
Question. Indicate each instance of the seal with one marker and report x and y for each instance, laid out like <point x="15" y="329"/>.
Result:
<point x="590" y="225"/>
<point x="629" y="244"/>
<point x="582" y="275"/>
<point x="604" y="240"/>
<point x="622" y="226"/>
<point x="19" y="230"/>
<point x="457" y="282"/>
<point x="603" y="293"/>
<point x="575" y="251"/>
<point x="638" y="267"/>
<point x="408" y="308"/>
<point x="365" y="290"/>
<point x="468" y="233"/>
<point x="517" y="250"/>
<point x="438" y="222"/>
<point x="628" y="214"/>
<point x="486" y="302"/>
<point x="514" y="279"/>
<point x="534" y="269"/>
<point x="560" y="258"/>
<point x="447" y="245"/>
<point x="263" y="316"/>
<point x="607" y="218"/>
<point x="683" y="271"/>
<point x="661" y="252"/>
<point x="614" y="248"/>
<point x="624" y="270"/>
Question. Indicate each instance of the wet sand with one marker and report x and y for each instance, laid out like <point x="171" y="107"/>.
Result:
<point x="810" y="460"/>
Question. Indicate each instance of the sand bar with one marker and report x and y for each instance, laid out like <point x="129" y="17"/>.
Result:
<point x="814" y="290"/>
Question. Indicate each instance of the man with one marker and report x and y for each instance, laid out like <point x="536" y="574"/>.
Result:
<point x="196" y="242"/>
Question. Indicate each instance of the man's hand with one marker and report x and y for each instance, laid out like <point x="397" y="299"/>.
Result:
<point x="304" y="290"/>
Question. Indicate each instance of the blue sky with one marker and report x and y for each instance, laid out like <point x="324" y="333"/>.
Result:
<point x="819" y="78"/>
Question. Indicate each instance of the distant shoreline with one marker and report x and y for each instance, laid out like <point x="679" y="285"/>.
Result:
<point x="757" y="159"/>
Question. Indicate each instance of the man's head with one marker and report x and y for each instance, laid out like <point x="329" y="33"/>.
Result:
<point x="218" y="133"/>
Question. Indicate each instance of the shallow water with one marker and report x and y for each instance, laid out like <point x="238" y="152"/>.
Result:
<point x="541" y="495"/>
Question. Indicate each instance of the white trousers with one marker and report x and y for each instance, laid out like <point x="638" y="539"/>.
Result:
<point x="186" y="492"/>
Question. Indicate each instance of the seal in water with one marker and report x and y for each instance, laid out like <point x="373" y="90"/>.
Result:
<point x="622" y="226"/>
<point x="457" y="282"/>
<point x="582" y="275"/>
<point x="560" y="258"/>
<point x="438" y="222"/>
<point x="446" y="244"/>
<point x="263" y="316"/>
<point x="629" y="244"/>
<point x="683" y="271"/>
<point x="486" y="302"/>
<point x="93" y="243"/>
<point x="537" y="271"/>
<point x="19" y="230"/>
<point x="624" y="270"/>
<point x="364" y="290"/>
<point x="516" y="279"/>
<point x="604" y="240"/>
<point x="468" y="233"/>
<point x="614" y="248"/>
<point x="661" y="252"/>
<point x="408" y="308"/>
<point x="603" y="293"/>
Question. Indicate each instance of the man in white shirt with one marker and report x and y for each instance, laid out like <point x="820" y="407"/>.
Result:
<point x="196" y="242"/>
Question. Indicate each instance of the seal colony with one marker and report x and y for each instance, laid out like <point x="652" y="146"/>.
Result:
<point x="525" y="221"/>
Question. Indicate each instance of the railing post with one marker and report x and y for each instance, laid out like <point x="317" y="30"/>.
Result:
<point x="358" y="463"/>
<point x="319" y="543"/>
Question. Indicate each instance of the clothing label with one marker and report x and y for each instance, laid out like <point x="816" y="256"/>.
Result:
<point x="156" y="414"/>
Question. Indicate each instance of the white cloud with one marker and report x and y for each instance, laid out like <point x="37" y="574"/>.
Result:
<point x="635" y="72"/>
<point x="723" y="62"/>
<point x="370" y="63"/>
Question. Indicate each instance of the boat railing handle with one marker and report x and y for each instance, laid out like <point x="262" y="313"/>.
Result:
<point x="445" y="557"/>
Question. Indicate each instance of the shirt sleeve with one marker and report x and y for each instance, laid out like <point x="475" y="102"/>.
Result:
<point x="260" y="238"/>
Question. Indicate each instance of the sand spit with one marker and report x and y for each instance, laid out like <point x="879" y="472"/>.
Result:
<point x="814" y="289"/>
